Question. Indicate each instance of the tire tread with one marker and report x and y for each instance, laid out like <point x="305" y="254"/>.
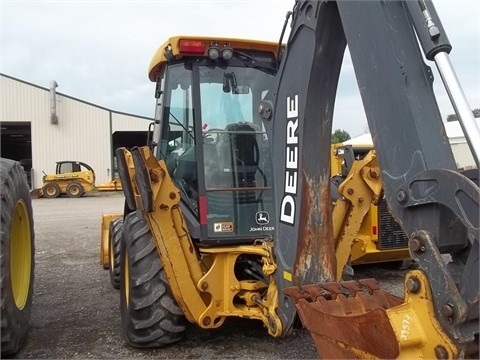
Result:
<point x="153" y="318"/>
<point x="14" y="322"/>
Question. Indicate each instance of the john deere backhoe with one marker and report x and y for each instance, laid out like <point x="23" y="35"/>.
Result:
<point x="228" y="210"/>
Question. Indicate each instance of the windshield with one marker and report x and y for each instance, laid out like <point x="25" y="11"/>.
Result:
<point x="229" y="96"/>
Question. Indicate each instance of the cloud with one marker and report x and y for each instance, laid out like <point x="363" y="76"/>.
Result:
<point x="99" y="51"/>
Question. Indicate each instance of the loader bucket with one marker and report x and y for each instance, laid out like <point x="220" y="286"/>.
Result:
<point x="104" y="239"/>
<point x="348" y="320"/>
<point x="36" y="193"/>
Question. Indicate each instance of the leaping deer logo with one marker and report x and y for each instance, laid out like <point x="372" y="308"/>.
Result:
<point x="262" y="218"/>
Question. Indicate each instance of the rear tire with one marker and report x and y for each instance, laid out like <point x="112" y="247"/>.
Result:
<point x="17" y="256"/>
<point x="150" y="314"/>
<point x="51" y="190"/>
<point x="114" y="249"/>
<point x="75" y="190"/>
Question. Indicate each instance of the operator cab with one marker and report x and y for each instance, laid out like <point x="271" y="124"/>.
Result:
<point x="65" y="167"/>
<point x="211" y="137"/>
<point x="71" y="166"/>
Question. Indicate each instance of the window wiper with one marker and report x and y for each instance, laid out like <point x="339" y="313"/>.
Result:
<point x="257" y="64"/>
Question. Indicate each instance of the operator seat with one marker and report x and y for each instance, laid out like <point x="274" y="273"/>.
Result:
<point x="238" y="160"/>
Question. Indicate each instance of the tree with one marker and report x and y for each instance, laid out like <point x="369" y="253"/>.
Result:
<point x="339" y="136"/>
<point x="453" y="117"/>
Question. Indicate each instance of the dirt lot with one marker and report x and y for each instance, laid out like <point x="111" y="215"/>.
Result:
<point x="76" y="311"/>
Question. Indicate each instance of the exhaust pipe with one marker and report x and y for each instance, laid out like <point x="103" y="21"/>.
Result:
<point x="53" y="103"/>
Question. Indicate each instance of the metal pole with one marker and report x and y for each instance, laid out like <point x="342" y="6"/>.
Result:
<point x="460" y="104"/>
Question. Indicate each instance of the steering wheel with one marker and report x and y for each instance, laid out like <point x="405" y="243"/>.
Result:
<point x="211" y="135"/>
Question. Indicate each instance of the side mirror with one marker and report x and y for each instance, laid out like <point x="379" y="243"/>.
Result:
<point x="230" y="84"/>
<point x="240" y="89"/>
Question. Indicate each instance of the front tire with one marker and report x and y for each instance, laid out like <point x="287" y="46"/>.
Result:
<point x="18" y="256"/>
<point x="51" y="190"/>
<point x="150" y="314"/>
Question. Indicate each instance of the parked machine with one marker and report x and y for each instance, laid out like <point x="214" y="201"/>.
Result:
<point x="379" y="237"/>
<point x="228" y="78"/>
<point x="222" y="221"/>
<point x="17" y="256"/>
<point x="72" y="178"/>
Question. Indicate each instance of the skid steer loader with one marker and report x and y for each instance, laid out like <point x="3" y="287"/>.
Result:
<point x="71" y="178"/>
<point x="228" y="210"/>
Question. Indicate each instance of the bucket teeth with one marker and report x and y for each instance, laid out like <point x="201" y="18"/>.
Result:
<point x="339" y="317"/>
<point x="365" y="291"/>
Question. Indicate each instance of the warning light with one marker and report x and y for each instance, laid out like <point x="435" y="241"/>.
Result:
<point x="196" y="47"/>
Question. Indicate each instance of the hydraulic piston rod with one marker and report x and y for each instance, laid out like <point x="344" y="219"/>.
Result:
<point x="460" y="104"/>
<point x="436" y="47"/>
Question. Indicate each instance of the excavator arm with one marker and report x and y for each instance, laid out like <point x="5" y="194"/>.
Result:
<point x="437" y="207"/>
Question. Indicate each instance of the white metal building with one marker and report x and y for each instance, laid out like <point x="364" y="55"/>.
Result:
<point x="40" y="126"/>
<point x="460" y="149"/>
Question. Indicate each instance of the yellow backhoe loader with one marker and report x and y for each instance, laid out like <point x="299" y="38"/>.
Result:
<point x="228" y="210"/>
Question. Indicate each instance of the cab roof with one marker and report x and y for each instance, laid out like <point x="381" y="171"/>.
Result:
<point x="173" y="43"/>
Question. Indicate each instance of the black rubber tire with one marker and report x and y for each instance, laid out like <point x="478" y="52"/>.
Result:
<point x="17" y="251"/>
<point x="150" y="314"/>
<point x="75" y="190"/>
<point x="115" y="234"/>
<point x="51" y="190"/>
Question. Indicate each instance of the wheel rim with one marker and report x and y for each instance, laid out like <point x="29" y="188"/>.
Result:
<point x="74" y="190"/>
<point x="20" y="255"/>
<point x="126" y="280"/>
<point x="51" y="191"/>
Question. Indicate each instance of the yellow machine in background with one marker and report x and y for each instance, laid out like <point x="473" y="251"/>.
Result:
<point x="72" y="178"/>
<point x="379" y="237"/>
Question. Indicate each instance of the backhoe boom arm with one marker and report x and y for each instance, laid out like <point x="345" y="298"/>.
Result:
<point x="437" y="207"/>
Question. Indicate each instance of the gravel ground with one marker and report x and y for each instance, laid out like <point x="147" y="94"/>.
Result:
<point x="76" y="311"/>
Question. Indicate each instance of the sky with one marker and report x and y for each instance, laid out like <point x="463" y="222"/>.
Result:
<point x="99" y="51"/>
